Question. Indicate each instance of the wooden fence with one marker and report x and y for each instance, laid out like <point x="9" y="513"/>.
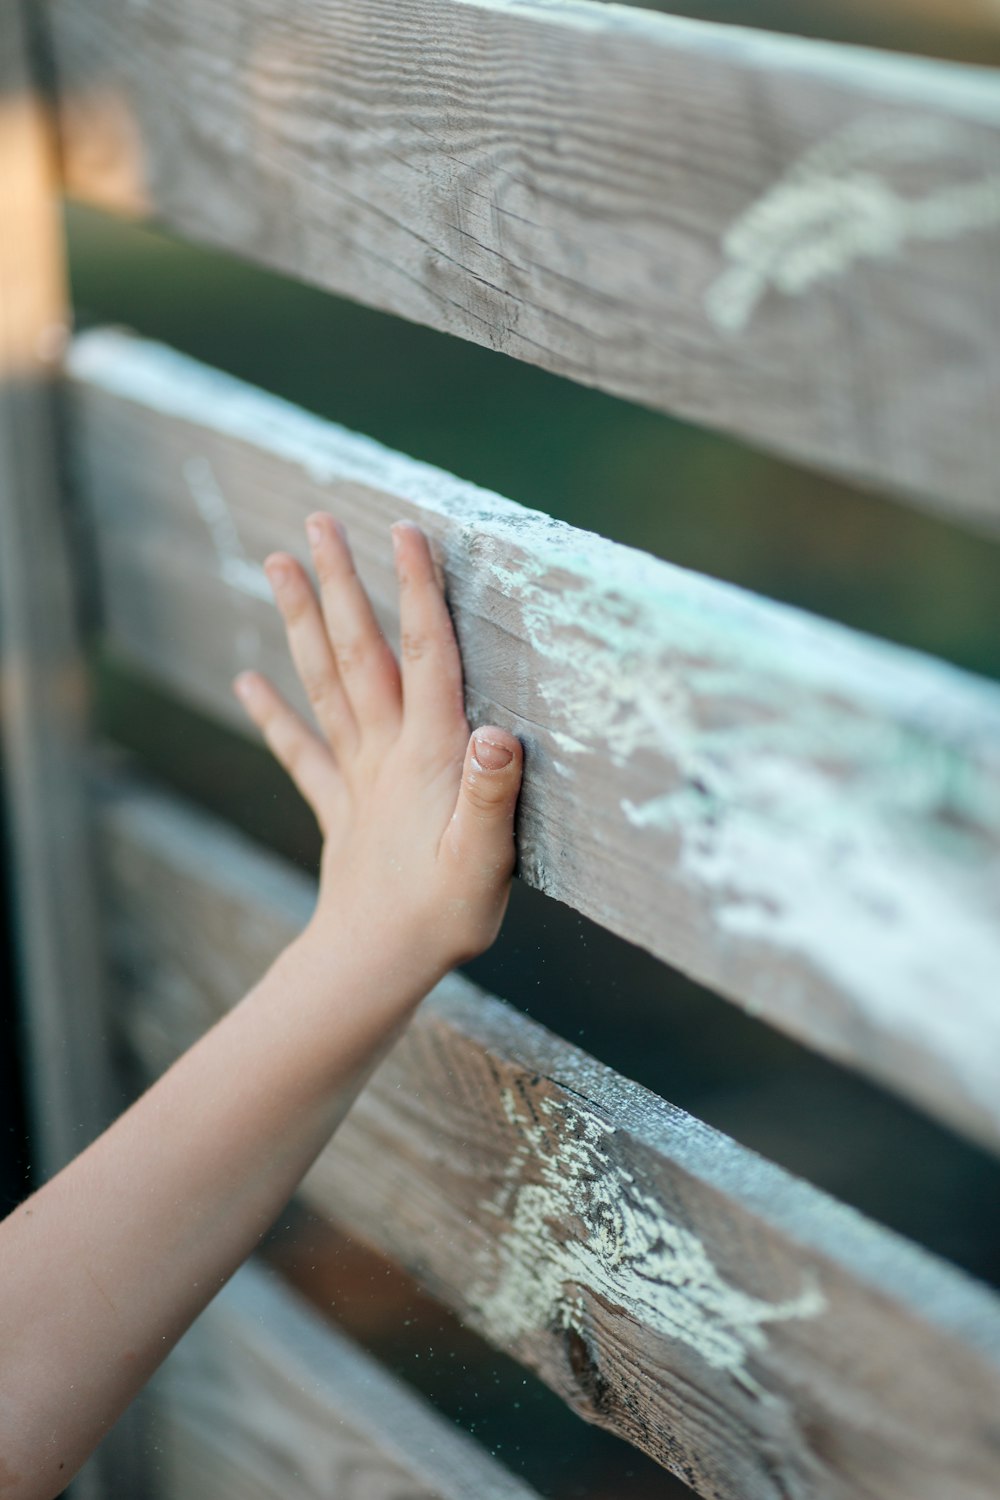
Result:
<point x="792" y="241"/>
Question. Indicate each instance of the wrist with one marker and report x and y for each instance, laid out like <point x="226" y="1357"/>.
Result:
<point x="350" y="961"/>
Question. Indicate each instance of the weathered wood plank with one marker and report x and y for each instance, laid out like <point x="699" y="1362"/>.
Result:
<point x="804" y="818"/>
<point x="790" y="240"/>
<point x="753" y="1335"/>
<point x="43" y="676"/>
<point x="261" y="1400"/>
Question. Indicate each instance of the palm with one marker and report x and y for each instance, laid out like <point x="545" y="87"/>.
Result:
<point x="404" y="834"/>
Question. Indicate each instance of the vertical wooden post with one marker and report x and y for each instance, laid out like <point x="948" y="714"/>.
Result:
<point x="43" y="674"/>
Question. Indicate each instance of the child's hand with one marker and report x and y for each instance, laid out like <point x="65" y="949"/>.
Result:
<point x="162" y="1207"/>
<point x="417" y="817"/>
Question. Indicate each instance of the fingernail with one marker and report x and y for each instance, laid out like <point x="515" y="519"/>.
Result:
<point x="275" y="569"/>
<point x="243" y="685"/>
<point x="314" y="530"/>
<point x="490" y="755"/>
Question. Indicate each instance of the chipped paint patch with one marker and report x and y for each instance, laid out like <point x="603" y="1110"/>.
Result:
<point x="807" y="787"/>
<point x="836" y="206"/>
<point x="246" y="578"/>
<point x="580" y="1225"/>
<point x="234" y="566"/>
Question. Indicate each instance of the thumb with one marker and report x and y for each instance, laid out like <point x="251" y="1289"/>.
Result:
<point x="482" y="826"/>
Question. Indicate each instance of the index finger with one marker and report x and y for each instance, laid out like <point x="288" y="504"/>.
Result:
<point x="430" y="662"/>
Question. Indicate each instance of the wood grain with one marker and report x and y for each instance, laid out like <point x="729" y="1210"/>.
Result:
<point x="792" y="241"/>
<point x="262" y="1400"/>
<point x="803" y="818"/>
<point x="757" y="1338"/>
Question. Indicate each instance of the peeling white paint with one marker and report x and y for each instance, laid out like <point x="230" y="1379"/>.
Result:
<point x="234" y="566"/>
<point x="836" y="206"/>
<point x="246" y="577"/>
<point x="580" y="1225"/>
<point x="658" y="812"/>
<point x="820" y="795"/>
<point x="235" y="569"/>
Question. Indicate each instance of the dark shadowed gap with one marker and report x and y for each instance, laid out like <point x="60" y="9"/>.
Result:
<point x="497" y="1401"/>
<point x="637" y="476"/>
<point x="960" y="30"/>
<point x="635" y="1013"/>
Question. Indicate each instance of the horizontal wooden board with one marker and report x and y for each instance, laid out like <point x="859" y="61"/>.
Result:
<point x="754" y="1336"/>
<point x="262" y="1400"/>
<point x="790" y="240"/>
<point x="806" y="819"/>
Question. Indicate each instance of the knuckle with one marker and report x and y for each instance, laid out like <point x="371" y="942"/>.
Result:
<point x="414" y="645"/>
<point x="350" y="654"/>
<point x="292" y="752"/>
<point x="481" y="797"/>
<point x="332" y="571"/>
<point x="318" y="685"/>
<point x="294" y="603"/>
<point x="268" y="716"/>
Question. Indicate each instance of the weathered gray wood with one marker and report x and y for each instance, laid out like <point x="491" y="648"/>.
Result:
<point x="790" y="240"/>
<point x="43" y="676"/>
<point x="43" y="670"/>
<point x="753" y="1335"/>
<point x="261" y="1400"/>
<point x="804" y="818"/>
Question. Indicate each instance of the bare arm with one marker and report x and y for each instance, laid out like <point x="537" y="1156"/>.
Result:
<point x="105" y="1267"/>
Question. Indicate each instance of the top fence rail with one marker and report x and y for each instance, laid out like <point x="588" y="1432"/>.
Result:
<point x="792" y="241"/>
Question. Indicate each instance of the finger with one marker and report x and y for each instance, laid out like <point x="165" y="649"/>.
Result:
<point x="310" y="648"/>
<point x="367" y="667"/>
<point x="481" y="832"/>
<point x="431" y="665"/>
<point x="292" y="743"/>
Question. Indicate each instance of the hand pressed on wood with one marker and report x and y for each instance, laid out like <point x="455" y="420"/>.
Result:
<point x="417" y="818"/>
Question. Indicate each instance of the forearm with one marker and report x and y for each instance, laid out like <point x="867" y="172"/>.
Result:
<point x="107" y="1265"/>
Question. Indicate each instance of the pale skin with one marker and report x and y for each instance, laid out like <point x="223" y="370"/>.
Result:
<point x="107" y="1264"/>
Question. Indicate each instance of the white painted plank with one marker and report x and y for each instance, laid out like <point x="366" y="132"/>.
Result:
<point x="803" y="818"/>
<point x="790" y="240"/>
<point x="261" y="1400"/>
<point x="756" y="1337"/>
